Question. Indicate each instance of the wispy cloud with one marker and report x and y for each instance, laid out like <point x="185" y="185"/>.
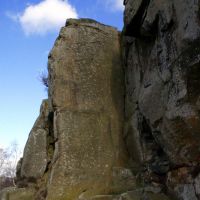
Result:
<point x="12" y="16"/>
<point x="115" y="5"/>
<point x="46" y="16"/>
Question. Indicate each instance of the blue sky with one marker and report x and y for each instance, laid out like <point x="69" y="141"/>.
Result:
<point x="28" y="31"/>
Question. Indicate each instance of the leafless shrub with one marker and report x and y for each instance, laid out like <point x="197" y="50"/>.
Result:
<point x="8" y="161"/>
<point x="43" y="78"/>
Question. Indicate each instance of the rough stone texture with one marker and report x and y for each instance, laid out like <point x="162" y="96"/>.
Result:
<point x="34" y="161"/>
<point x="17" y="194"/>
<point x="86" y="87"/>
<point x="162" y="129"/>
<point x="133" y="195"/>
<point x="184" y="182"/>
<point x="82" y="148"/>
<point x="75" y="149"/>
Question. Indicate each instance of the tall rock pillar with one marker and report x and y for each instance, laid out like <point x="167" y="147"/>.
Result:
<point x="86" y="92"/>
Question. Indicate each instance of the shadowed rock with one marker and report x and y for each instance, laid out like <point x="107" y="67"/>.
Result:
<point x="162" y="89"/>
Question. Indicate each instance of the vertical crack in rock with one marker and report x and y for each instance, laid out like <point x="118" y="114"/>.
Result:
<point x="135" y="16"/>
<point x="161" y="45"/>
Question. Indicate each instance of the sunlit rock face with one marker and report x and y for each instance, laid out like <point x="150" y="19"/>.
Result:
<point x="162" y="55"/>
<point x="75" y="149"/>
<point x="86" y="92"/>
<point x="35" y="153"/>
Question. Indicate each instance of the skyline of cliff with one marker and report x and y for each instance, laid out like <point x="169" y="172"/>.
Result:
<point x="26" y="41"/>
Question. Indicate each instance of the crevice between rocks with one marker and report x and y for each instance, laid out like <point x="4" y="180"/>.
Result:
<point x="133" y="28"/>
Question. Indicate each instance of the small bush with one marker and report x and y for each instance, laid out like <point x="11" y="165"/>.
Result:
<point x="8" y="161"/>
<point x="44" y="79"/>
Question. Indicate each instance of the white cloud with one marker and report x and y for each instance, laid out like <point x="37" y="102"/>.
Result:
<point x="115" y="5"/>
<point x="46" y="16"/>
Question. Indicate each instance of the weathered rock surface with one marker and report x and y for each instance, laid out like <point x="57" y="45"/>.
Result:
<point x="17" y="194"/>
<point x="34" y="161"/>
<point x="133" y="195"/>
<point x="89" y="143"/>
<point x="75" y="149"/>
<point x="86" y="87"/>
<point x="162" y="130"/>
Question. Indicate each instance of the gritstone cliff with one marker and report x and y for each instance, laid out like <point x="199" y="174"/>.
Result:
<point x="121" y="121"/>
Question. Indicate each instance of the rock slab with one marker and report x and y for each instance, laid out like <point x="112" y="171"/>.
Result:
<point x="86" y="93"/>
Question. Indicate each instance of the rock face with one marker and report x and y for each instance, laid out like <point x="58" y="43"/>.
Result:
<point x="91" y="143"/>
<point x="161" y="40"/>
<point x="35" y="153"/>
<point x="75" y="149"/>
<point x="86" y="87"/>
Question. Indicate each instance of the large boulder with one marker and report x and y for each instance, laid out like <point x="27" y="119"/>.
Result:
<point x="86" y="89"/>
<point x="75" y="149"/>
